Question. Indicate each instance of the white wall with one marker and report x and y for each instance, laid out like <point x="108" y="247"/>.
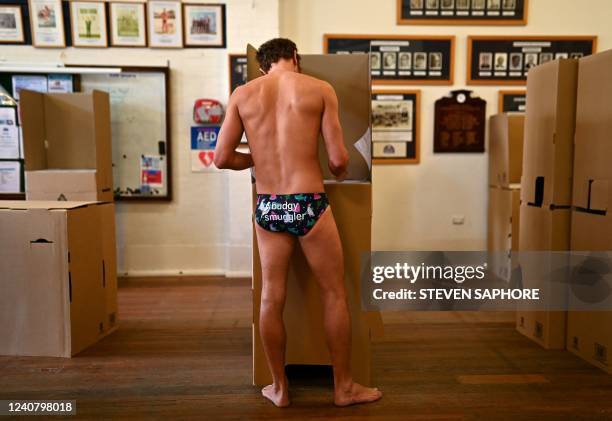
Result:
<point x="414" y="205"/>
<point x="206" y="228"/>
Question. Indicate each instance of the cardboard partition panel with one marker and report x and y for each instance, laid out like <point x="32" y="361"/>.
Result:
<point x="503" y="230"/>
<point x="549" y="134"/>
<point x="505" y="149"/>
<point x="593" y="145"/>
<point x="589" y="334"/>
<point x="543" y="229"/>
<point x="71" y="185"/>
<point x="67" y="132"/>
<point x="54" y="295"/>
<point x="352" y="208"/>
<point x="349" y="74"/>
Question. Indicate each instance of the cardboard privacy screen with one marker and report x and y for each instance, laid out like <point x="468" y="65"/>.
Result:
<point x="349" y="74"/>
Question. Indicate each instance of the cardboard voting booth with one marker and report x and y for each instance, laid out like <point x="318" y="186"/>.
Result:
<point x="505" y="170"/>
<point x="546" y="183"/>
<point x="58" y="279"/>
<point x="589" y="334"/>
<point x="351" y="202"/>
<point x="67" y="145"/>
<point x="506" y="150"/>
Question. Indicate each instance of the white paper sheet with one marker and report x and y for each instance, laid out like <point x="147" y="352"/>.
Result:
<point x="364" y="146"/>
<point x="10" y="176"/>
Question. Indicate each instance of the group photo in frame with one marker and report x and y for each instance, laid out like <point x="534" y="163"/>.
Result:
<point x="396" y="126"/>
<point x="11" y="24"/>
<point x="88" y="23"/>
<point x="506" y="60"/>
<point x="400" y="59"/>
<point x="204" y="25"/>
<point x="47" y="23"/>
<point x="462" y="12"/>
<point x="165" y="24"/>
<point x="128" y="26"/>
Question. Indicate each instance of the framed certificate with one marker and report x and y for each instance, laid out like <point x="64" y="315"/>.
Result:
<point x="11" y="24"/>
<point x="88" y="22"/>
<point x="204" y="25"/>
<point x="165" y="24"/>
<point x="128" y="25"/>
<point x="47" y="23"/>
<point x="395" y="126"/>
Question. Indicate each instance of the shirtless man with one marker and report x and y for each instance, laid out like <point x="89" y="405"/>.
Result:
<point x="282" y="114"/>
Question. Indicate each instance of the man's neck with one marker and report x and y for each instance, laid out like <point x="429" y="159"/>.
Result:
<point x="284" y="66"/>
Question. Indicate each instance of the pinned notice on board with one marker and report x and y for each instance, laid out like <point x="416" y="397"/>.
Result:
<point x="203" y="144"/>
<point x="9" y="134"/>
<point x="10" y="176"/>
<point x="151" y="173"/>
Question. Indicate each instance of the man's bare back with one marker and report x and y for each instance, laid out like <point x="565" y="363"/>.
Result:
<point x="282" y="114"/>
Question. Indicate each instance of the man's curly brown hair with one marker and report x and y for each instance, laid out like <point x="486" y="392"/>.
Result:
<point x="274" y="50"/>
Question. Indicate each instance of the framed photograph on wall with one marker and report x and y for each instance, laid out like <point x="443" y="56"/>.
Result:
<point x="512" y="101"/>
<point x="88" y="23"/>
<point x="462" y="12"/>
<point x="400" y="59"/>
<point x="47" y="23"/>
<point x="395" y="126"/>
<point x="165" y="24"/>
<point x="11" y="24"/>
<point x="128" y="24"/>
<point x="506" y="60"/>
<point x="204" y="25"/>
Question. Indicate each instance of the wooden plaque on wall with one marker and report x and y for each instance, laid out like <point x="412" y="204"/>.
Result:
<point x="460" y="121"/>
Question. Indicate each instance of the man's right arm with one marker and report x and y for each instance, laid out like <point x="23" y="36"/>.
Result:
<point x="332" y="134"/>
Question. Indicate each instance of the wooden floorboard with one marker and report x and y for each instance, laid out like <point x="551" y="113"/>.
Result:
<point x="183" y="351"/>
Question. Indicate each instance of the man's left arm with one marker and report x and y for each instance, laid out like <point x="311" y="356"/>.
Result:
<point x="226" y="156"/>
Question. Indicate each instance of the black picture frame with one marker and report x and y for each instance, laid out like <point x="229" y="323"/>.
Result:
<point x="237" y="78"/>
<point x="436" y="54"/>
<point x="412" y="146"/>
<point x="512" y="101"/>
<point x="506" y="60"/>
<point x="462" y="12"/>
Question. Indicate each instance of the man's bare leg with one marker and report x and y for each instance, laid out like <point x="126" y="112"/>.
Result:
<point x="323" y="251"/>
<point x="275" y="250"/>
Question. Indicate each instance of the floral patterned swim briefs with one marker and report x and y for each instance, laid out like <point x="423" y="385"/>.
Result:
<point x="292" y="213"/>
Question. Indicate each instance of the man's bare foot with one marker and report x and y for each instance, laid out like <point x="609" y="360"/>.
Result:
<point x="356" y="394"/>
<point x="278" y="395"/>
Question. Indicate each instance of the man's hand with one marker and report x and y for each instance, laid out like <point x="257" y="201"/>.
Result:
<point x="340" y="178"/>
